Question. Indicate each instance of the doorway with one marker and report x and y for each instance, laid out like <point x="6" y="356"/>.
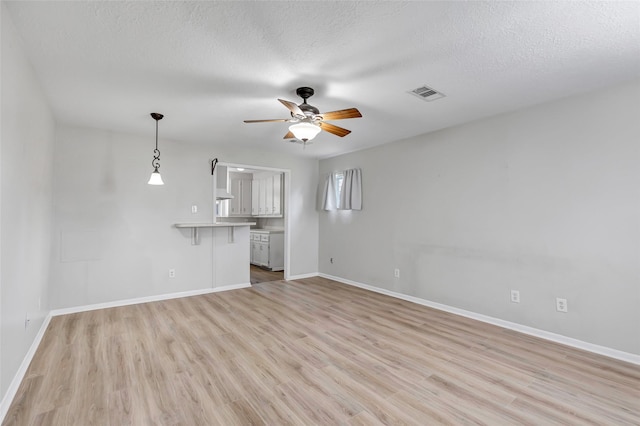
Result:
<point x="269" y="238"/>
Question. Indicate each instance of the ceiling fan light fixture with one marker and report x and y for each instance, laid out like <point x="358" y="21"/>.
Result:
<point x="307" y="121"/>
<point x="304" y="131"/>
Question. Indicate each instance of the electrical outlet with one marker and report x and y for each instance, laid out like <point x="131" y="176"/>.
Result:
<point x="561" y="305"/>
<point x="194" y="209"/>
<point x="331" y="260"/>
<point x="172" y="273"/>
<point x="396" y="273"/>
<point x="27" y="320"/>
<point x="515" y="296"/>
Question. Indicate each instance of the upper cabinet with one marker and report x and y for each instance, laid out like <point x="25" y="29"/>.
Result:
<point x="277" y="195"/>
<point x="240" y="204"/>
<point x="266" y="191"/>
<point x="255" y="197"/>
<point x="258" y="194"/>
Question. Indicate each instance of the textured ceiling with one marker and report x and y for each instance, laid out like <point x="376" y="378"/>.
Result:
<point x="209" y="65"/>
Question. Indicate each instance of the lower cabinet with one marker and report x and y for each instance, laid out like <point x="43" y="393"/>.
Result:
<point x="260" y="253"/>
<point x="267" y="250"/>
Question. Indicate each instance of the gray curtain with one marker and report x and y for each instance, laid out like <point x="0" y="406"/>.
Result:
<point x="327" y="193"/>
<point x="351" y="193"/>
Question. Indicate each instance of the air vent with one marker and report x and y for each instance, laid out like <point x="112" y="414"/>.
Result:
<point x="427" y="93"/>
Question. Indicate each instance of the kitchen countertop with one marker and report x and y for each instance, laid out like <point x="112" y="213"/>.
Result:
<point x="213" y="224"/>
<point x="231" y="226"/>
<point x="267" y="230"/>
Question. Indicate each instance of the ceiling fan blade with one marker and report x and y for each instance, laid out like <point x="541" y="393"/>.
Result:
<point x="341" y="114"/>
<point x="289" y="135"/>
<point x="338" y="131"/>
<point x="267" y="121"/>
<point x="294" y="108"/>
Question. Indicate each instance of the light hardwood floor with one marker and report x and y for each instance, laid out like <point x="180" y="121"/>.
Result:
<point x="259" y="275"/>
<point x="309" y="352"/>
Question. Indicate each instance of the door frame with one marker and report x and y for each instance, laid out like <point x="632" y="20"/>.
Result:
<point x="286" y="194"/>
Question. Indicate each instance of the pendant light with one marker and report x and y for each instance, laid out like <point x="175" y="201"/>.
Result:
<point x="155" y="178"/>
<point x="304" y="130"/>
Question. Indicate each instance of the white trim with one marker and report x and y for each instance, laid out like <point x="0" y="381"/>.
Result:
<point x="303" y="276"/>
<point x="22" y="370"/>
<point x="250" y="166"/>
<point x="558" y="338"/>
<point x="146" y="299"/>
<point x="287" y="223"/>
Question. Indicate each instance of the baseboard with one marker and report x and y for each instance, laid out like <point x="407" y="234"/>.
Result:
<point x="558" y="338"/>
<point x="302" y="276"/>
<point x="157" y="298"/>
<point x="7" y="399"/>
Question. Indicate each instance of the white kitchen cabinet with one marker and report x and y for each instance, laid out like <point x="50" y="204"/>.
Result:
<point x="277" y="195"/>
<point x="267" y="250"/>
<point x="262" y="207"/>
<point x="260" y="253"/>
<point x="240" y="204"/>
<point x="255" y="197"/>
<point x="267" y="193"/>
<point x="245" y="191"/>
<point x="268" y="199"/>
<point x="234" y="203"/>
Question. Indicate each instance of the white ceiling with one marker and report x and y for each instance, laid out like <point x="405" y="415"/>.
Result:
<point x="209" y="65"/>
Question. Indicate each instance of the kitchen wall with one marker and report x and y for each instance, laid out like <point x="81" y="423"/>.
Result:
<point x="545" y="201"/>
<point x="113" y="234"/>
<point x="26" y="154"/>
<point x="271" y="222"/>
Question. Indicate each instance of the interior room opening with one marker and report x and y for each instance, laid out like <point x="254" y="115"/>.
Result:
<point x="256" y="194"/>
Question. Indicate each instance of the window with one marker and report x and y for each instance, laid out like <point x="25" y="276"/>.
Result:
<point x="339" y="178"/>
<point x="341" y="190"/>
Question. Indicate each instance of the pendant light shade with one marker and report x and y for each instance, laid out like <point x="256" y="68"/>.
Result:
<point x="305" y="131"/>
<point x="155" y="178"/>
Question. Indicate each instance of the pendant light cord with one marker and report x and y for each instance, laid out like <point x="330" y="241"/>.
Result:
<point x="156" y="152"/>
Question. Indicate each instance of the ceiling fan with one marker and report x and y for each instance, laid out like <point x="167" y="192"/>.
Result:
<point x="307" y="119"/>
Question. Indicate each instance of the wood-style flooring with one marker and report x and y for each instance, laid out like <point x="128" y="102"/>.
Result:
<point x="259" y="275"/>
<point x="311" y="352"/>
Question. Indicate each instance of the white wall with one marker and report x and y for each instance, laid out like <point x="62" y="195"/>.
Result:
<point x="545" y="201"/>
<point x="26" y="152"/>
<point x="113" y="234"/>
